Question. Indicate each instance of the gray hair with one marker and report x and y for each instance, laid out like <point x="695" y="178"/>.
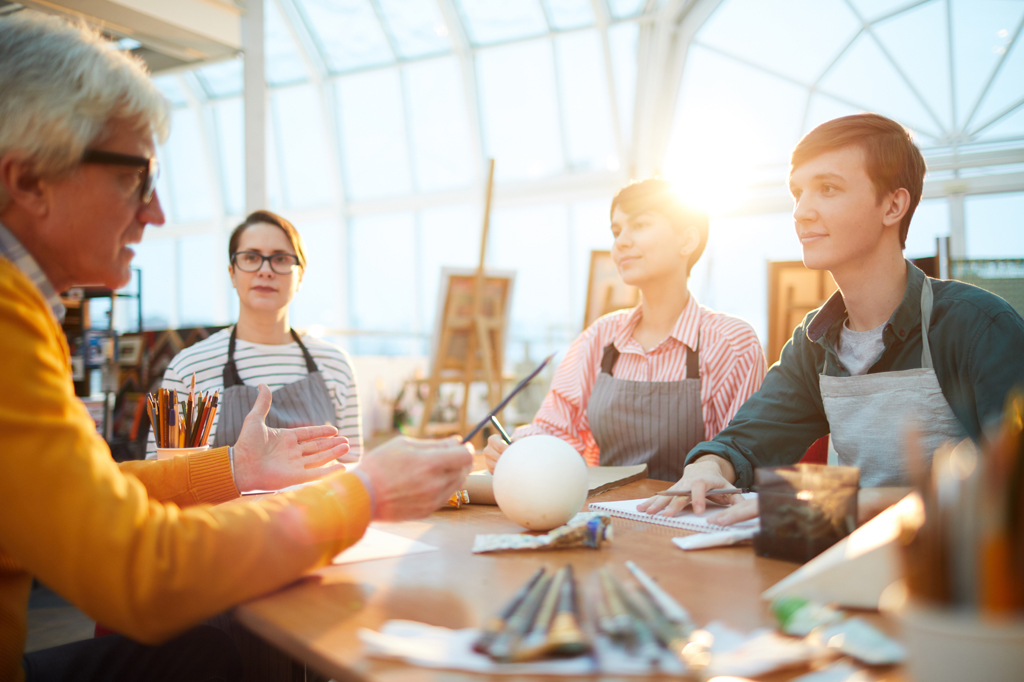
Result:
<point x="60" y="85"/>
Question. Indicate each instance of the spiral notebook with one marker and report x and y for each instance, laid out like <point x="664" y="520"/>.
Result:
<point x="697" y="523"/>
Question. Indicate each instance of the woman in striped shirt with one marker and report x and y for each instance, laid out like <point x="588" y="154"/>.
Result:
<point x="646" y="385"/>
<point x="312" y="381"/>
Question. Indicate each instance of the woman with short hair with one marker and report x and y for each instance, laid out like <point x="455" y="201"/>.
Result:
<point x="647" y="384"/>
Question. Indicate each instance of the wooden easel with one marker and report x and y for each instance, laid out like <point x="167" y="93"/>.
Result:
<point x="484" y="333"/>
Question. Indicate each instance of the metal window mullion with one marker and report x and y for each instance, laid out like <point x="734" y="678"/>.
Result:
<point x="998" y="117"/>
<point x="563" y="120"/>
<point x="465" y="53"/>
<point x="309" y="49"/>
<point x="386" y="28"/>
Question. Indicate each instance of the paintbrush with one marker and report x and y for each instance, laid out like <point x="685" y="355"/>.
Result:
<point x="504" y="645"/>
<point x="565" y="637"/>
<point x="520" y="386"/>
<point x="535" y="643"/>
<point x="498" y="621"/>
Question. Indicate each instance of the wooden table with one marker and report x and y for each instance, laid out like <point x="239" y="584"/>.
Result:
<point x="316" y="619"/>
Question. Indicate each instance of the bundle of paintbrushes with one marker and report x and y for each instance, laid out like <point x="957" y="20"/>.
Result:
<point x="646" y="622"/>
<point x="542" y="620"/>
<point x="965" y="549"/>
<point x="182" y="424"/>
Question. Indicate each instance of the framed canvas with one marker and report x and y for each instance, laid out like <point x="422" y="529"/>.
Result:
<point x="129" y="350"/>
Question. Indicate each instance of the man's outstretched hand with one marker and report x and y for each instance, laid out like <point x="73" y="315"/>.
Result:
<point x="271" y="459"/>
<point x="412" y="478"/>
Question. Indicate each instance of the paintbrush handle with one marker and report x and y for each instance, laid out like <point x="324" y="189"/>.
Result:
<point x="498" y="621"/>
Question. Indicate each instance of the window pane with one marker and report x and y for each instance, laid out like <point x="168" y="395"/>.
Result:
<point x="156" y="258"/>
<point x="590" y="232"/>
<point x="1011" y="126"/>
<point x="202" y="280"/>
<point x="450" y="238"/>
<point x="227" y="118"/>
<point x="306" y="160"/>
<point x="866" y="77"/>
<point x="732" y="274"/>
<point x="492" y="21"/>
<point x="440" y="127"/>
<point x="981" y="33"/>
<point x="223" y="79"/>
<point x="187" y="168"/>
<point x="348" y="32"/>
<point x="622" y="40"/>
<point x="918" y="40"/>
<point x="283" y="61"/>
<point x="323" y="282"/>
<point x="383" y="272"/>
<point x="534" y="242"/>
<point x="724" y="135"/>
<point x="992" y="225"/>
<point x="416" y="26"/>
<point x="376" y="159"/>
<point x="874" y="9"/>
<point x="516" y="85"/>
<point x="625" y="8"/>
<point x="567" y="14"/>
<point x="1007" y="89"/>
<point x="585" y="102"/>
<point x="931" y="220"/>
<point x="767" y="33"/>
<point x="172" y="89"/>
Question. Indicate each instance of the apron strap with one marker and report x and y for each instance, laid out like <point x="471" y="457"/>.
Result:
<point x="693" y="361"/>
<point x="926" y="319"/>
<point x="310" y="365"/>
<point x="231" y="376"/>
<point x="608" y="359"/>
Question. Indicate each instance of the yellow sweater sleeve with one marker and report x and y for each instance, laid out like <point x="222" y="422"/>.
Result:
<point x="199" y="478"/>
<point x="69" y="515"/>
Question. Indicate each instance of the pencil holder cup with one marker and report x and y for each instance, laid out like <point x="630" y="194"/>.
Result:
<point x="804" y="509"/>
<point x="952" y="644"/>
<point x="168" y="453"/>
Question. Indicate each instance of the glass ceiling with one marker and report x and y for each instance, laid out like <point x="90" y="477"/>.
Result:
<point x="382" y="113"/>
<point x="950" y="70"/>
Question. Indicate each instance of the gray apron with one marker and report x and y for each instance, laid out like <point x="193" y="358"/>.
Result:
<point x="646" y="422"/>
<point x="306" y="402"/>
<point x="869" y="414"/>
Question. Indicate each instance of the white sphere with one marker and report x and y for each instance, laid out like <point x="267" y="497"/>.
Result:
<point x="540" y="482"/>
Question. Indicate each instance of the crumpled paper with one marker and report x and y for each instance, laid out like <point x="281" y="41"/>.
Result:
<point x="586" y="529"/>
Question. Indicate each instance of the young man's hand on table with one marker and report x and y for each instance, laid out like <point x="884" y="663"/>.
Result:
<point x="706" y="473"/>
<point x="271" y="459"/>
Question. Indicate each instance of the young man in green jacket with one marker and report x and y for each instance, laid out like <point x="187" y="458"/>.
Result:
<point x="890" y="350"/>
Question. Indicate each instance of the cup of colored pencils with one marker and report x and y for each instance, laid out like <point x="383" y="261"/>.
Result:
<point x="181" y="427"/>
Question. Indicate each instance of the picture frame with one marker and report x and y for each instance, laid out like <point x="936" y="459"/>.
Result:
<point x="129" y="350"/>
<point x="606" y="292"/>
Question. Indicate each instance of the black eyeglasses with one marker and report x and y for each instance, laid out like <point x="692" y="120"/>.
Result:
<point x="147" y="177"/>
<point x="250" y="261"/>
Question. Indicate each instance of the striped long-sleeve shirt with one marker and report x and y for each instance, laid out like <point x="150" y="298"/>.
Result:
<point x="274" y="366"/>
<point x="732" y="366"/>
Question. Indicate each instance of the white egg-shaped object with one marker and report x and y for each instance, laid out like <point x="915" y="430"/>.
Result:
<point x="540" y="482"/>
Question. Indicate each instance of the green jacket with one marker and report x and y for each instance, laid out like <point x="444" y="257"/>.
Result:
<point x="977" y="344"/>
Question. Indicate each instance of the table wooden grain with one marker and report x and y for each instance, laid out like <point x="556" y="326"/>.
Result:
<point x="316" y="619"/>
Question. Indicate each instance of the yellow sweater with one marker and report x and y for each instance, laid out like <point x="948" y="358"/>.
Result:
<point x="114" y="540"/>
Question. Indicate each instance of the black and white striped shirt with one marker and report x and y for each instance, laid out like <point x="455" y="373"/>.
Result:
<point x="275" y="366"/>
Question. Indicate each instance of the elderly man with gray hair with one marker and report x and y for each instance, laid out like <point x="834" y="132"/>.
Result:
<point x="141" y="547"/>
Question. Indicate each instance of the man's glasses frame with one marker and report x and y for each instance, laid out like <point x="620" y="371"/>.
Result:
<point x="290" y="261"/>
<point x="152" y="168"/>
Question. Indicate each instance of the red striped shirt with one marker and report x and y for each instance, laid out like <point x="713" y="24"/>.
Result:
<point x="732" y="366"/>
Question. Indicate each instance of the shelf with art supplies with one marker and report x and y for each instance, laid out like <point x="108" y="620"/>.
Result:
<point x="182" y="423"/>
<point x="95" y="318"/>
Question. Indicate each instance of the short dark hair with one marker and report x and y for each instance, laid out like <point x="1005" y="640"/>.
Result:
<point x="658" y="195"/>
<point x="892" y="159"/>
<point x="261" y="216"/>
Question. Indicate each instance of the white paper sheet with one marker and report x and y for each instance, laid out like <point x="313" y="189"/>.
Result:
<point x="376" y="544"/>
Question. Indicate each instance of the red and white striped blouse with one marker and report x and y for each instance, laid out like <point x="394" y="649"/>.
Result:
<point x="732" y="367"/>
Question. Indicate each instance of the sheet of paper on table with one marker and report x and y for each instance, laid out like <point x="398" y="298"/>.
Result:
<point x="376" y="544"/>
